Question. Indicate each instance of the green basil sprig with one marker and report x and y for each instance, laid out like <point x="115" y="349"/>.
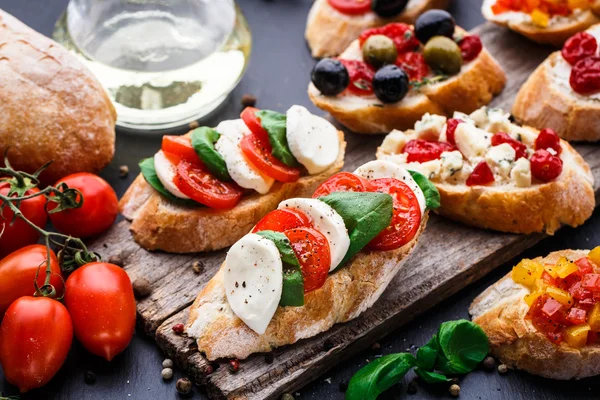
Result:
<point x="203" y="142"/>
<point x="457" y="348"/>
<point x="275" y="125"/>
<point x="149" y="173"/>
<point x="432" y="195"/>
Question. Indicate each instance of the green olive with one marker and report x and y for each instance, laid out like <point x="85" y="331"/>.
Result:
<point x="379" y="50"/>
<point x="443" y="54"/>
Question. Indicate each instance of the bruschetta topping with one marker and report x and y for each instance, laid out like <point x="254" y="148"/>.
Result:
<point x="578" y="65"/>
<point x="563" y="299"/>
<point x="541" y="11"/>
<point x="383" y="8"/>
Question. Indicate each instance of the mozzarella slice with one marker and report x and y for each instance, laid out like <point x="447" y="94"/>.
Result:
<point x="253" y="279"/>
<point x="239" y="168"/>
<point x="387" y="169"/>
<point x="166" y="172"/>
<point x="327" y="221"/>
<point x="313" y="141"/>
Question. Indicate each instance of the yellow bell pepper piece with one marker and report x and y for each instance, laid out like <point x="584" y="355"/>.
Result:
<point x="527" y="272"/>
<point x="594" y="317"/>
<point x="565" y="268"/>
<point x="562" y="296"/>
<point x="540" y="18"/>
<point x="551" y="269"/>
<point x="595" y="256"/>
<point x="576" y="335"/>
<point x="530" y="298"/>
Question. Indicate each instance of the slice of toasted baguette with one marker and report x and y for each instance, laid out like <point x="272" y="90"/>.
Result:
<point x="474" y="86"/>
<point x="159" y="224"/>
<point x="347" y="292"/>
<point x="329" y="32"/>
<point x="500" y="311"/>
<point x="556" y="33"/>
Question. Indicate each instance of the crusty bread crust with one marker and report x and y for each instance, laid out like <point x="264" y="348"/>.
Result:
<point x="472" y="88"/>
<point x="53" y="108"/>
<point x="543" y="103"/>
<point x="329" y="32"/>
<point x="345" y="295"/>
<point x="555" y="34"/>
<point x="500" y="311"/>
<point x="160" y="224"/>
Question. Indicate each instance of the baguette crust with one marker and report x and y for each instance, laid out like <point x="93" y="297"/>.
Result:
<point x="556" y="33"/>
<point x="345" y="295"/>
<point x="472" y="88"/>
<point x="543" y="102"/>
<point x="329" y="32"/>
<point x="160" y="224"/>
<point x="500" y="311"/>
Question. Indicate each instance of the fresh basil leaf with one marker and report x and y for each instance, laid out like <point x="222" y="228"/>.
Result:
<point x="427" y="354"/>
<point x="292" y="293"/>
<point x="275" y="125"/>
<point x="149" y="174"/>
<point x="432" y="195"/>
<point x="463" y="346"/>
<point x="203" y="141"/>
<point x="365" y="215"/>
<point x="379" y="375"/>
<point x="431" y="377"/>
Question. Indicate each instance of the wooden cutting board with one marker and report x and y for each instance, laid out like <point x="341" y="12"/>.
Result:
<point x="448" y="257"/>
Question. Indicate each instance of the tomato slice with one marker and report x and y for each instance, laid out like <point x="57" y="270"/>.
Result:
<point x="343" y="182"/>
<point x="313" y="253"/>
<point x="201" y="186"/>
<point x="282" y="220"/>
<point x="259" y="153"/>
<point x="253" y="123"/>
<point x="351" y="7"/>
<point x="361" y="76"/>
<point x="181" y="147"/>
<point x="406" y="218"/>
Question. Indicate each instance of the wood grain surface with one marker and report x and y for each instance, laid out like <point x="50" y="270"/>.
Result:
<point x="449" y="257"/>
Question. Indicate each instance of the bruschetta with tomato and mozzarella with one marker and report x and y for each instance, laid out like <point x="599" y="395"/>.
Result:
<point x="390" y="76"/>
<point x="204" y="190"/>
<point x="543" y="21"/>
<point x="333" y="24"/>
<point x="563" y="93"/>
<point x="544" y="316"/>
<point x="313" y="262"/>
<point x="492" y="173"/>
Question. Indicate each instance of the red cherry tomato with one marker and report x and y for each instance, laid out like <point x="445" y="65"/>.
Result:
<point x="35" y="337"/>
<point x="282" y="220"/>
<point x="470" y="47"/>
<point x="99" y="210"/>
<point x="361" y="76"/>
<point x="548" y="139"/>
<point x="578" y="47"/>
<point x="351" y="7"/>
<point x="502" y="137"/>
<point x="99" y="297"/>
<point x="419" y="150"/>
<point x="451" y="126"/>
<point x="253" y="123"/>
<point x="402" y="35"/>
<point x="259" y="153"/>
<point x="343" y="182"/>
<point x="312" y="250"/>
<point x="17" y="233"/>
<point x="18" y="270"/>
<point x="201" y="186"/>
<point x="585" y="75"/>
<point x="180" y="146"/>
<point x="545" y="167"/>
<point x="413" y="64"/>
<point x="481" y="175"/>
<point x="406" y="217"/>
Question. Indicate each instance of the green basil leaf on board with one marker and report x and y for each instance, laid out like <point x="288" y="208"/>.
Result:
<point x="365" y="215"/>
<point x="431" y="377"/>
<point x="432" y="195"/>
<point x="379" y="375"/>
<point x="292" y="293"/>
<point x="275" y="125"/>
<point x="463" y="346"/>
<point x="426" y="355"/>
<point x="203" y="141"/>
<point x="149" y="174"/>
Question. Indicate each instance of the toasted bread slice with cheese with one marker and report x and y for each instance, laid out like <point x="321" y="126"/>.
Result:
<point x="500" y="310"/>
<point x="329" y="32"/>
<point x="160" y="224"/>
<point x="558" y="30"/>
<point x="547" y="100"/>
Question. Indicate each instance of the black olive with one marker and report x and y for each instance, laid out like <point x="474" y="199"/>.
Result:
<point x="434" y="23"/>
<point x="388" y="8"/>
<point x="390" y="84"/>
<point x="330" y="76"/>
